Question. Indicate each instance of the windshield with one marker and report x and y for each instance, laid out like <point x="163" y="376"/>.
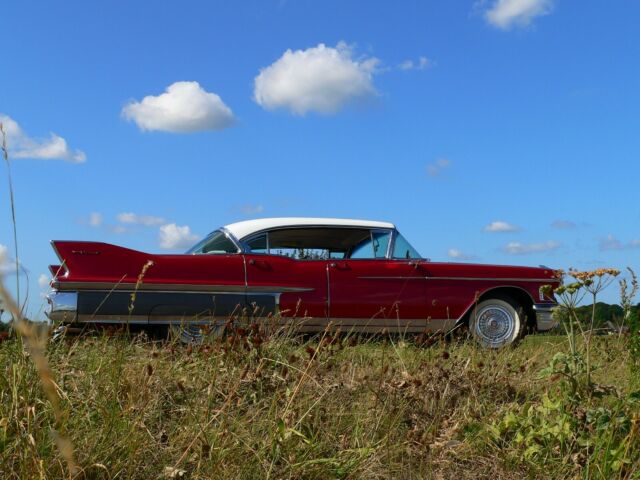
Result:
<point x="215" y="243"/>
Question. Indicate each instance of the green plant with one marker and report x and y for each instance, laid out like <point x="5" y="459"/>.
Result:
<point x="577" y="424"/>
<point x="600" y="440"/>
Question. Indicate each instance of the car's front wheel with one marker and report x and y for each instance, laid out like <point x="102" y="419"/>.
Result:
<point x="496" y="322"/>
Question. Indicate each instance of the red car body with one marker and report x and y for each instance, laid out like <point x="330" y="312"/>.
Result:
<point x="396" y="291"/>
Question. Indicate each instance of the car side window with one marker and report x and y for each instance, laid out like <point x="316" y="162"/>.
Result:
<point x="402" y="248"/>
<point x="258" y="244"/>
<point x="375" y="246"/>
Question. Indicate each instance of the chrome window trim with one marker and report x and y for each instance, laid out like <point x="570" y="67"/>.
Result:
<point x="232" y="238"/>
<point x="392" y="243"/>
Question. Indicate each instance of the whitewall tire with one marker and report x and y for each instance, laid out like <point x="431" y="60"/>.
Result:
<point x="495" y="322"/>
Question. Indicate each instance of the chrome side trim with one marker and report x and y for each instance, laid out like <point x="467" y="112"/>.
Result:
<point x="371" y="325"/>
<point x="153" y="320"/>
<point x="493" y="279"/>
<point x="176" y="287"/>
<point x="390" y="278"/>
<point x="461" y="278"/>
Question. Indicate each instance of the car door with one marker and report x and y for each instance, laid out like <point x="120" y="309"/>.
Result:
<point x="374" y="292"/>
<point x="287" y="288"/>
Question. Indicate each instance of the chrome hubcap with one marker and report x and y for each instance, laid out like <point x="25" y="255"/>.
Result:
<point x="191" y="334"/>
<point x="495" y="325"/>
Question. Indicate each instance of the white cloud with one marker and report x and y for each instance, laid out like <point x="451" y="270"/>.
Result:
<point x="184" y="107"/>
<point x="20" y="145"/>
<point x="436" y="168"/>
<point x="612" y="243"/>
<point x="249" y="209"/>
<point x="7" y="263"/>
<point x="564" y="224"/>
<point x="95" y="219"/>
<point x="458" y="255"/>
<point x="517" y="248"/>
<point x="505" y="14"/>
<point x="174" y="237"/>
<point x="319" y="79"/>
<point x="134" y="219"/>
<point x="117" y="229"/>
<point x="422" y="64"/>
<point x="4" y="257"/>
<point x="43" y="281"/>
<point x="500" y="227"/>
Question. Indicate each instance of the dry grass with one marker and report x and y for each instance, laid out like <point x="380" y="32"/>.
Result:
<point x="286" y="407"/>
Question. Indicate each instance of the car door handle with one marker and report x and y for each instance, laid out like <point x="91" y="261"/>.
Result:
<point x="340" y="265"/>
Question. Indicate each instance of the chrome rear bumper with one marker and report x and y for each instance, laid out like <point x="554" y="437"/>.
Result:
<point x="544" y="316"/>
<point x="63" y="306"/>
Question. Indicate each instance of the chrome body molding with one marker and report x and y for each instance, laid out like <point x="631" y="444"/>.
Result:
<point x="62" y="306"/>
<point x="390" y="278"/>
<point x="544" y="316"/>
<point x="493" y="279"/>
<point x="175" y="287"/>
<point x="476" y="279"/>
<point x="364" y="325"/>
<point x="154" y="320"/>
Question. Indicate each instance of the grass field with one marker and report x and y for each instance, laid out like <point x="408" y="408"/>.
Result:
<point x="322" y="407"/>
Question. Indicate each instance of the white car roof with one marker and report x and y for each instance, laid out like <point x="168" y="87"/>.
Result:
<point x="241" y="230"/>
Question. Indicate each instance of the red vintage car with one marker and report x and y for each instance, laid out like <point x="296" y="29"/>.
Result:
<point x="358" y="275"/>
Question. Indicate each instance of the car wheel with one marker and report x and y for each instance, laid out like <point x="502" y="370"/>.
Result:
<point x="190" y="333"/>
<point x="59" y="333"/>
<point x="496" y="322"/>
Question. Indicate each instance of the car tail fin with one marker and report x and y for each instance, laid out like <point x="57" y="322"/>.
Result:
<point x="96" y="261"/>
<point x="57" y="270"/>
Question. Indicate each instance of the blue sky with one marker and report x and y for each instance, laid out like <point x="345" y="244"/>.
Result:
<point x="500" y="131"/>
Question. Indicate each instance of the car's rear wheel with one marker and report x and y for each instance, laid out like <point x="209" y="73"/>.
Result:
<point x="496" y="322"/>
<point x="190" y="333"/>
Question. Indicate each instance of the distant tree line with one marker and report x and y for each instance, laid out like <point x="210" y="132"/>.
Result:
<point x="607" y="313"/>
